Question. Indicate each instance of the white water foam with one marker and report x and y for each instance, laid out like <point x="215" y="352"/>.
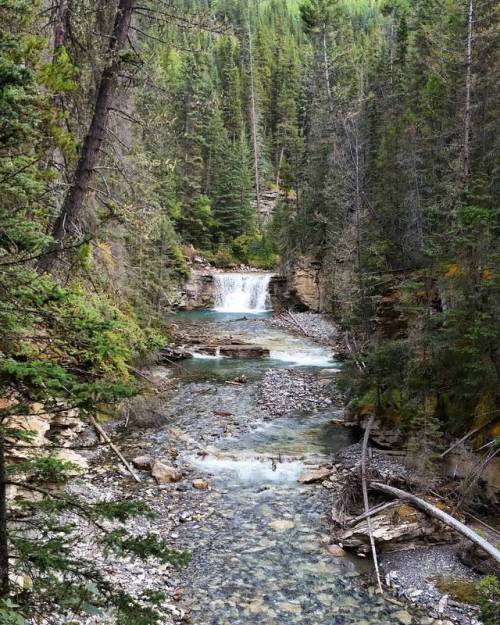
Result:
<point x="201" y="356"/>
<point x="312" y="357"/>
<point x="242" y="292"/>
<point x="251" y="471"/>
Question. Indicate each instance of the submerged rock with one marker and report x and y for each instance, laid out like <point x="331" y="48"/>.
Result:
<point x="244" y="351"/>
<point x="282" y="524"/>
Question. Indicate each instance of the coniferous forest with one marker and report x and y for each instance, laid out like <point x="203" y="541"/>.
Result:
<point x="139" y="136"/>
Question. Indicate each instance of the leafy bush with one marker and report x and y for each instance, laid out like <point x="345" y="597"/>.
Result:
<point x="488" y="589"/>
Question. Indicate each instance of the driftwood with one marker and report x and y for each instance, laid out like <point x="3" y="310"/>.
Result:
<point x="115" y="449"/>
<point x="296" y="322"/>
<point x="359" y="363"/>
<point x="372" y="512"/>
<point x="464" y="438"/>
<point x="365" y="498"/>
<point x="446" y="518"/>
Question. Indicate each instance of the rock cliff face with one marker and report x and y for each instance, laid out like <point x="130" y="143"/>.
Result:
<point x="198" y="292"/>
<point x="303" y="287"/>
<point x="307" y="284"/>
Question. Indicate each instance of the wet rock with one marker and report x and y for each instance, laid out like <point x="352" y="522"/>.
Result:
<point x="315" y="476"/>
<point x="165" y="473"/>
<point x="198" y="291"/>
<point x="200" y="484"/>
<point x="282" y="524"/>
<point x="403" y="617"/>
<point x="336" y="550"/>
<point x="173" y="353"/>
<point x="293" y="608"/>
<point x="142" y="462"/>
<point x="244" y="351"/>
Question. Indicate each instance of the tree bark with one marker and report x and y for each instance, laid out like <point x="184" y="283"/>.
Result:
<point x="4" y="546"/>
<point x="62" y="12"/>
<point x="446" y="518"/>
<point x="468" y="71"/>
<point x="67" y="223"/>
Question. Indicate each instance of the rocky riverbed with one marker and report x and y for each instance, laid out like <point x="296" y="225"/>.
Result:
<point x="243" y="439"/>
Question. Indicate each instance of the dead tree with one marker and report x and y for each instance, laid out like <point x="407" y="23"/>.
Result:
<point x="467" y="106"/>
<point x="253" y="119"/>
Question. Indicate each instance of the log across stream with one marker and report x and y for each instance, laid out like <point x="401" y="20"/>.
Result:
<point x="258" y="537"/>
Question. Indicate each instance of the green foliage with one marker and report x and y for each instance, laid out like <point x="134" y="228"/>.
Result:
<point x="121" y="542"/>
<point x="44" y="469"/>
<point x="488" y="589"/>
<point x="59" y="347"/>
<point x="9" y="614"/>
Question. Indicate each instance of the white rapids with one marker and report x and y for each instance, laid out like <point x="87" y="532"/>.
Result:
<point x="251" y="471"/>
<point x="242" y="292"/>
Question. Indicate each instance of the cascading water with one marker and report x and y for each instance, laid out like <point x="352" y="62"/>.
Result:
<point x="242" y="292"/>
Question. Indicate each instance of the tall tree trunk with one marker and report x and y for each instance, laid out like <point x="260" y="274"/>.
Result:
<point x="4" y="546"/>
<point x="62" y="11"/>
<point x="327" y="70"/>
<point x="68" y="220"/>
<point x="253" y="120"/>
<point x="468" y="71"/>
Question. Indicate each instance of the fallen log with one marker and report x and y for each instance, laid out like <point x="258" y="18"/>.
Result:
<point x="365" y="498"/>
<point x="372" y="512"/>
<point x="115" y="449"/>
<point x="297" y="323"/>
<point x="464" y="438"/>
<point x="446" y="518"/>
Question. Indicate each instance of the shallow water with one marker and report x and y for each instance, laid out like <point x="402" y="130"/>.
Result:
<point x="259" y="540"/>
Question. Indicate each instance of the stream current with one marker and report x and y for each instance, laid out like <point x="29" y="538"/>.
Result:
<point x="258" y="539"/>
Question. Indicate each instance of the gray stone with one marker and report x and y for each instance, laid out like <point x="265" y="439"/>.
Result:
<point x="403" y="617"/>
<point x="142" y="462"/>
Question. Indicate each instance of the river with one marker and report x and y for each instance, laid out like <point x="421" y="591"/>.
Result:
<point x="258" y="537"/>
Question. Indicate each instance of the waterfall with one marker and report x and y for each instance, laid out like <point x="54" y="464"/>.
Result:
<point x="242" y="292"/>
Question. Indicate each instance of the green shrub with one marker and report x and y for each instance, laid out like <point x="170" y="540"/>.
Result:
<point x="488" y="589"/>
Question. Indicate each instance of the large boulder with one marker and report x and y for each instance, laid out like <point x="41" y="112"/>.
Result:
<point x="244" y="351"/>
<point x="68" y="455"/>
<point x="163" y="473"/>
<point x="318" y="475"/>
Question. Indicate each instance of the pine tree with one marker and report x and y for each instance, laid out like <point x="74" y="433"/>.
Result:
<point x="232" y="207"/>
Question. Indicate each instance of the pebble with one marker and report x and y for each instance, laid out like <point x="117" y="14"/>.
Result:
<point x="201" y="484"/>
<point x="288" y="391"/>
<point x="282" y="524"/>
<point x="337" y="551"/>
